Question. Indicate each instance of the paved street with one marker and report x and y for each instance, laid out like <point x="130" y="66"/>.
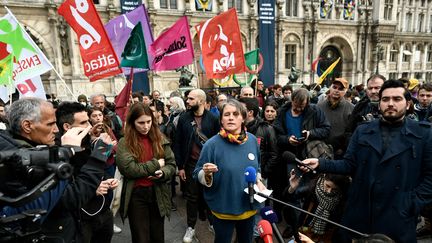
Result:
<point x="175" y="227"/>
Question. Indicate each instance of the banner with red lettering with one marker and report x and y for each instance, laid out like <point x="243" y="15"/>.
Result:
<point x="31" y="88"/>
<point x="221" y="45"/>
<point x="28" y="59"/>
<point x="173" y="49"/>
<point x="98" y="56"/>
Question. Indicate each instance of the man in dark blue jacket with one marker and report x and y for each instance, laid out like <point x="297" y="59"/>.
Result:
<point x="390" y="161"/>
<point x="194" y="127"/>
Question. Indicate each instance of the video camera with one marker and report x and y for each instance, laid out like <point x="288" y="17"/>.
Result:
<point x="26" y="173"/>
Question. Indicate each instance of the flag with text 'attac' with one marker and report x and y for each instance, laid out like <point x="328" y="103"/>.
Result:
<point x="221" y="45"/>
<point x="173" y="48"/>
<point x="28" y="59"/>
<point x="135" y="53"/>
<point x="99" y="58"/>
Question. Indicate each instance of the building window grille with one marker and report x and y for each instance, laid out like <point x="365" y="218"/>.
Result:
<point x="236" y="4"/>
<point x="290" y="55"/>
<point x="388" y="8"/>
<point x="393" y="53"/>
<point x="292" y="8"/>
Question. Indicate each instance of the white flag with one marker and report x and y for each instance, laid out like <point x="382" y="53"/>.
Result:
<point x="29" y="59"/>
<point x="31" y="88"/>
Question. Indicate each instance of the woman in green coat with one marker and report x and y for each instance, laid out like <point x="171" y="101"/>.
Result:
<point x="146" y="161"/>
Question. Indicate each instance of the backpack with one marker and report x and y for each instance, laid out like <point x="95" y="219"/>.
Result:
<point x="318" y="149"/>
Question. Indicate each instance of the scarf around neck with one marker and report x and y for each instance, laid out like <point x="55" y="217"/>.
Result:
<point x="234" y="138"/>
<point x="327" y="202"/>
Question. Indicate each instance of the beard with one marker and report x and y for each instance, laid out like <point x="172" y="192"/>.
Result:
<point x="193" y="107"/>
<point x="393" y="118"/>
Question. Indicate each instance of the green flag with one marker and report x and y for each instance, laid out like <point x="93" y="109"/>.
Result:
<point x="252" y="58"/>
<point x="6" y="68"/>
<point x="135" y="53"/>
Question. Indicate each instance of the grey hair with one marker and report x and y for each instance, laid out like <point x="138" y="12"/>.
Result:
<point x="245" y="88"/>
<point x="96" y="95"/>
<point x="24" y="109"/>
<point x="239" y="107"/>
<point x="300" y="95"/>
<point x="177" y="103"/>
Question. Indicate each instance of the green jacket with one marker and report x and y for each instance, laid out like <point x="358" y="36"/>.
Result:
<point x="132" y="170"/>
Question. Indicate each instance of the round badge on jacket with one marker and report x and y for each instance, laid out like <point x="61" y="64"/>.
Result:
<point x="251" y="156"/>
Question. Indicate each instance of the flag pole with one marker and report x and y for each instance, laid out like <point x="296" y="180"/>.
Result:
<point x="131" y="79"/>
<point x="37" y="47"/>
<point x="197" y="74"/>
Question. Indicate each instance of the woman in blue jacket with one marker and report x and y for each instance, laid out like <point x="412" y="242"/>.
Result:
<point x="221" y="168"/>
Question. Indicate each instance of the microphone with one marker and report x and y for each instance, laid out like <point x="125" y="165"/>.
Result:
<point x="265" y="231"/>
<point x="291" y="157"/>
<point x="268" y="214"/>
<point x="250" y="176"/>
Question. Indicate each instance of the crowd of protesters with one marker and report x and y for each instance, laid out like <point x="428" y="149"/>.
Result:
<point x="198" y="140"/>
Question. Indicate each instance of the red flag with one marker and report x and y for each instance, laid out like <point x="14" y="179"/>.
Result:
<point x="173" y="48"/>
<point x="98" y="56"/>
<point x="221" y="45"/>
<point x="123" y="99"/>
<point x="314" y="64"/>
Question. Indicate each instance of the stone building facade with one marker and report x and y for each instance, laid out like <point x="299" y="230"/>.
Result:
<point x="393" y="37"/>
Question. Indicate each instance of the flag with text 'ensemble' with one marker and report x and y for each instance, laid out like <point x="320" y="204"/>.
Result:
<point x="31" y="88"/>
<point x="221" y="45"/>
<point x="99" y="58"/>
<point x="173" y="48"/>
<point x="28" y="59"/>
<point x="120" y="28"/>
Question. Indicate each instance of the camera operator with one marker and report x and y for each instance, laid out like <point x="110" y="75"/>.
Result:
<point x="33" y="122"/>
<point x="96" y="217"/>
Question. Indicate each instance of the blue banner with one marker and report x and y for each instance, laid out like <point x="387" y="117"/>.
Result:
<point x="266" y="13"/>
<point x="129" y="5"/>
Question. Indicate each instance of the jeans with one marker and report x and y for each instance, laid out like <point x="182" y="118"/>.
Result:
<point x="224" y="230"/>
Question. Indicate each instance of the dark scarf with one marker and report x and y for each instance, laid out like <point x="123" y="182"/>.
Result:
<point x="234" y="138"/>
<point x="327" y="202"/>
<point x="333" y="105"/>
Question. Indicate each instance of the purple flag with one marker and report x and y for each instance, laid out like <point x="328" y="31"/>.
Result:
<point x="119" y="29"/>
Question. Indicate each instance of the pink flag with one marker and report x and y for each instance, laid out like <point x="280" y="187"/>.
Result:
<point x="173" y="48"/>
